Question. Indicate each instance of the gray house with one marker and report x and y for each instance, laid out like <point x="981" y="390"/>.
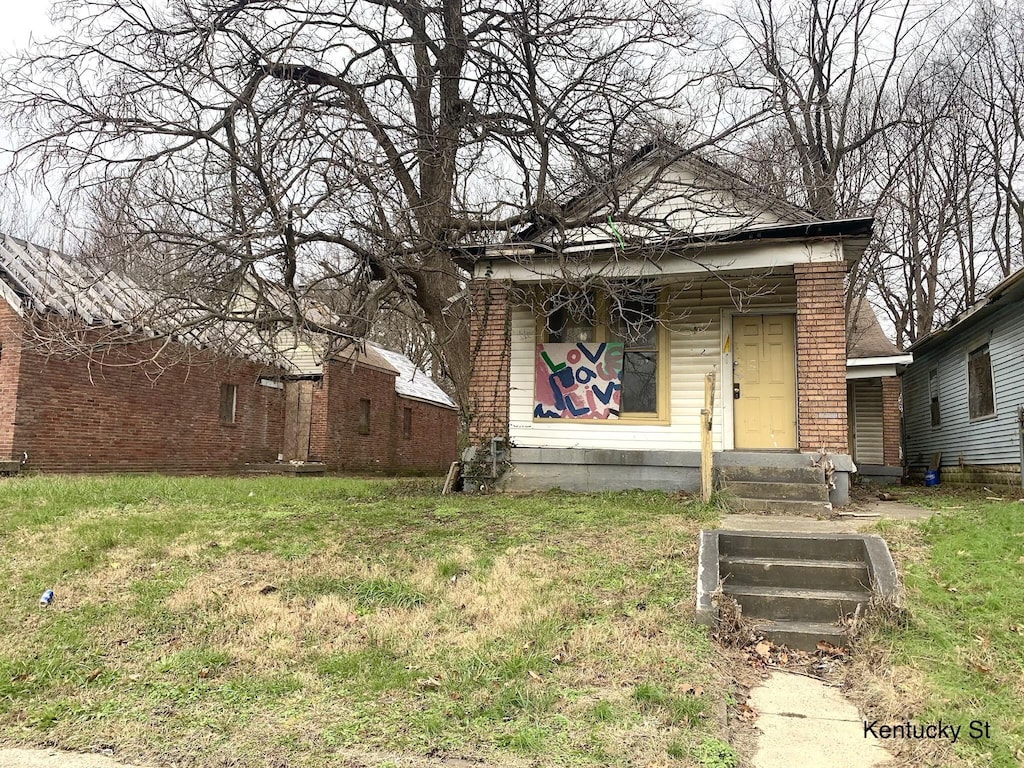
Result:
<point x="963" y="396"/>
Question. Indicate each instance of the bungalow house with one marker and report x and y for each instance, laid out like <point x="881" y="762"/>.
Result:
<point x="191" y="408"/>
<point x="873" y="365"/>
<point x="591" y="346"/>
<point x="963" y="396"/>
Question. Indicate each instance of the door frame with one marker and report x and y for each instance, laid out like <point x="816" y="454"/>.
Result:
<point x="726" y="342"/>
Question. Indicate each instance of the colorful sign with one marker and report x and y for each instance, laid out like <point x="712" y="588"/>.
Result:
<point x="578" y="381"/>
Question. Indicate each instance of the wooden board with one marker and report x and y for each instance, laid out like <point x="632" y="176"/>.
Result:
<point x="298" y="417"/>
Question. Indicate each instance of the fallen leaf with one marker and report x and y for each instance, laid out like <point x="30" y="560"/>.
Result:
<point x="980" y="668"/>
<point x="534" y="675"/>
<point x="430" y="684"/>
<point x="204" y="673"/>
<point x="268" y="589"/>
<point x="93" y="675"/>
<point x="763" y="649"/>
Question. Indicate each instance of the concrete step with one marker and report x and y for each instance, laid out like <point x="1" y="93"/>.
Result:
<point x="782" y="507"/>
<point x="777" y="491"/>
<point x="802" y="635"/>
<point x="800" y="573"/>
<point x="10" y="467"/>
<point x="792" y="604"/>
<point x="760" y="474"/>
<point x="848" y="547"/>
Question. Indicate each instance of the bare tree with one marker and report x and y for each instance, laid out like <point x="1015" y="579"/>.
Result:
<point x="335" y="145"/>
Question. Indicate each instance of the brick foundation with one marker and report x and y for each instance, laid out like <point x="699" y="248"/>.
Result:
<point x="821" y="357"/>
<point x="891" y="427"/>
<point x="490" y="348"/>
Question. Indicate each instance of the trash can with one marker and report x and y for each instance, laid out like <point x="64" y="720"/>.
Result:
<point x="931" y="477"/>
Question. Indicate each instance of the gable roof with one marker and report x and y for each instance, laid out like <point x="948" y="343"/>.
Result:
<point x="864" y="335"/>
<point x="691" y="193"/>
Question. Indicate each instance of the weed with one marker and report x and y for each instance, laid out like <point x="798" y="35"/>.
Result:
<point x="713" y="753"/>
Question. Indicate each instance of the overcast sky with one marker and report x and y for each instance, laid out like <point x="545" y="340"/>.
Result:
<point x="21" y="18"/>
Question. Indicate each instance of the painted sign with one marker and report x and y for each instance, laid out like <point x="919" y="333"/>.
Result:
<point x="578" y="381"/>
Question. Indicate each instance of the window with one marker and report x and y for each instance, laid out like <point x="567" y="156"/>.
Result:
<point x="632" y="319"/>
<point x="406" y="423"/>
<point x="364" y="417"/>
<point x="228" y="401"/>
<point x="981" y="394"/>
<point x="933" y="394"/>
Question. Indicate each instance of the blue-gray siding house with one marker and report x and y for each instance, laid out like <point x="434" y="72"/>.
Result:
<point x="963" y="396"/>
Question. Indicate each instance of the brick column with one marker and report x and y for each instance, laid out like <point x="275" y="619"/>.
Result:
<point x="891" y="437"/>
<point x="490" y="350"/>
<point x="821" y="356"/>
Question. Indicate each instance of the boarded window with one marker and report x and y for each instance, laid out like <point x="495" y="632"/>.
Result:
<point x="933" y="392"/>
<point x="407" y="423"/>
<point x="228" y="401"/>
<point x="979" y="383"/>
<point x="364" y="417"/>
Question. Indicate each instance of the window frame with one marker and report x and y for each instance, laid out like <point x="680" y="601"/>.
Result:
<point x="602" y="332"/>
<point x="972" y="349"/>
<point x="363" y="427"/>
<point x="406" y="423"/>
<point x="934" y="400"/>
<point x="232" y="419"/>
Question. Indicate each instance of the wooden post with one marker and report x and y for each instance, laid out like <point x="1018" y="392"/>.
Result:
<point x="706" y="476"/>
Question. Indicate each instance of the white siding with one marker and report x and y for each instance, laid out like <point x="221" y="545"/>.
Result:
<point x="992" y="440"/>
<point x="695" y="343"/>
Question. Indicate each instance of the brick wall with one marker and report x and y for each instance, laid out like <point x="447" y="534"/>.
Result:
<point x="344" y="386"/>
<point x="431" y="445"/>
<point x="821" y="357"/>
<point x="490" y="349"/>
<point x="433" y="434"/>
<point x="10" y="364"/>
<point x="76" y="417"/>
<point x="891" y="432"/>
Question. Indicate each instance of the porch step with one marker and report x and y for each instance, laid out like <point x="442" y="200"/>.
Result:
<point x="802" y="635"/>
<point x="842" y="575"/>
<point x="793" y="604"/>
<point x="782" y="507"/>
<point x="780" y="545"/>
<point x="729" y="474"/>
<point x="779" y="491"/>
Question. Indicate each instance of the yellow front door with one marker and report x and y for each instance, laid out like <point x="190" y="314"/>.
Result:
<point x="764" y="381"/>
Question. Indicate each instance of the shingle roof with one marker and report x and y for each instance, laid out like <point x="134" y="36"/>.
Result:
<point x="413" y="382"/>
<point x="864" y="335"/>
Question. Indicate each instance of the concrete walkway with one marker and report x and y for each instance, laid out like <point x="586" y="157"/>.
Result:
<point x="886" y="510"/>
<point x="804" y="723"/>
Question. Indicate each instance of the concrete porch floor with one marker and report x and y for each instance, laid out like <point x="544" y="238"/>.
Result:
<point x="887" y="510"/>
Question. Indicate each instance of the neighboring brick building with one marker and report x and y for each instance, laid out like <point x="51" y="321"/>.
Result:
<point x="191" y="410"/>
<point x="367" y="411"/>
<point x="725" y="281"/>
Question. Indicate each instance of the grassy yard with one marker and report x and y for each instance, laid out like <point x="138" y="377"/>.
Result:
<point x="315" y="622"/>
<point x="961" y="656"/>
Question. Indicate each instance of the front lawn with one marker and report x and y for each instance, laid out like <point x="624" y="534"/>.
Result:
<point x="310" y="622"/>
